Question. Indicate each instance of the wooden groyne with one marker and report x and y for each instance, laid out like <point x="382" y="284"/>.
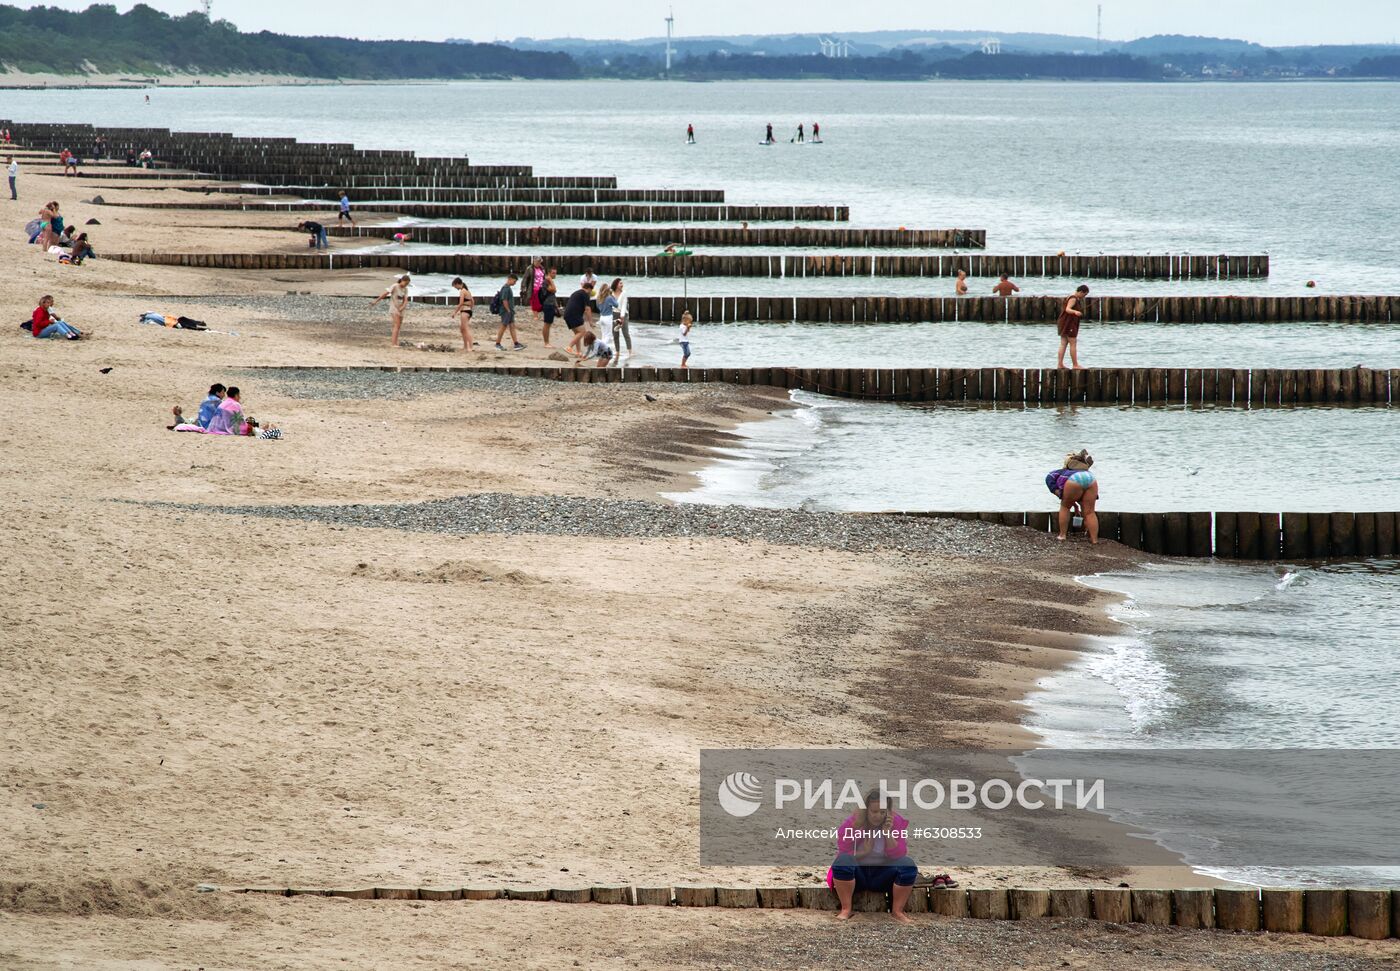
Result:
<point x="1228" y="535"/>
<point x="1032" y="309"/>
<point x="1369" y="914"/>
<point x="539" y="212"/>
<point x="557" y="196"/>
<point x="1017" y="387"/>
<point x="743" y="265"/>
<point x="830" y="237"/>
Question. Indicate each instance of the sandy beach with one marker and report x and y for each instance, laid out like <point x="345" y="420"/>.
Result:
<point x="199" y="695"/>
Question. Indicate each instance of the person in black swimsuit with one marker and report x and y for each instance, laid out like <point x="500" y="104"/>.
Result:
<point x="573" y="319"/>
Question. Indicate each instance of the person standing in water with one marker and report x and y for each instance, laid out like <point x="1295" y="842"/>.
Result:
<point x="801" y="133"/>
<point x="1076" y="486"/>
<point x="687" y="326"/>
<point x="1005" y="288"/>
<point x="397" y="295"/>
<point x="1068" y="326"/>
<point x="690" y="134"/>
<point x="816" y="131"/>
<point x="961" y="287"/>
<point x="466" y="303"/>
<point x="768" y="138"/>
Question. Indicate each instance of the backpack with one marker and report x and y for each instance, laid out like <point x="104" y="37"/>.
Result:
<point x="496" y="306"/>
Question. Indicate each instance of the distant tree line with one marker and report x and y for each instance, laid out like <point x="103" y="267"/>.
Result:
<point x="147" y="41"/>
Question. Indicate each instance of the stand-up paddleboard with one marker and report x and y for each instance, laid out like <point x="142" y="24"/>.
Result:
<point x="816" y="141"/>
<point x="765" y="144"/>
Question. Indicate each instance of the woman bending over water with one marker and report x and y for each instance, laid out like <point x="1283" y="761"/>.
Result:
<point x="1075" y="485"/>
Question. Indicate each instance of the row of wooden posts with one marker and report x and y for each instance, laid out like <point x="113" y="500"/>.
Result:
<point x="736" y="265"/>
<point x="1364" y="913"/>
<point x="832" y="237"/>
<point x="230" y="156"/>
<point x="569" y="196"/>
<point x="1020" y="309"/>
<point x="328" y="179"/>
<point x="1020" y="387"/>
<point x="535" y="212"/>
<point x="1229" y="535"/>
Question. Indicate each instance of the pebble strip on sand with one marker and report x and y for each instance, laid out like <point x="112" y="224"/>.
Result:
<point x="638" y="519"/>
<point x="331" y="384"/>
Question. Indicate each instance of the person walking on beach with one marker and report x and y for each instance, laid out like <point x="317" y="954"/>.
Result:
<point x="1005" y="288"/>
<point x="504" y="305"/>
<point x="607" y="316"/>
<point x="397" y="295"/>
<point x="462" y="313"/>
<point x="872" y="853"/>
<point x="960" y="288"/>
<point x="619" y="326"/>
<point x="1076" y="487"/>
<point x="575" y="316"/>
<point x="1068" y="326"/>
<point x="549" y="299"/>
<point x="344" y="216"/>
<point x="12" y="167"/>
<point x="690" y="134"/>
<point x="532" y="287"/>
<point x="687" y="327"/>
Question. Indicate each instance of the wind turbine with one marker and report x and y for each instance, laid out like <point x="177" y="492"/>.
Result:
<point x="670" y="33"/>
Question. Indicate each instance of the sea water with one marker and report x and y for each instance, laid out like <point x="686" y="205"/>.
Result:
<point x="838" y="454"/>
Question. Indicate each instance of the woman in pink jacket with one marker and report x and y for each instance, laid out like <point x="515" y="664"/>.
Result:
<point x="872" y="854"/>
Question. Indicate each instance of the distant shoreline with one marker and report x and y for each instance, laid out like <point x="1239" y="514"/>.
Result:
<point x="18" y="81"/>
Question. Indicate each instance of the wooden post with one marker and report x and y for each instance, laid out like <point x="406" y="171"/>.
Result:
<point x="736" y="897"/>
<point x="948" y="902"/>
<point x="818" y="898"/>
<point x="654" y="896"/>
<point x="1152" y="907"/>
<point x="1368" y="913"/>
<point x="1325" y="912"/>
<point x="612" y="895"/>
<point x="918" y="901"/>
<point x="988" y="904"/>
<point x="575" y="895"/>
<point x="1178" y="539"/>
<point x="1237" y="910"/>
<point x="1343" y="534"/>
<point x="1114" y="905"/>
<point x="777" y="898"/>
<point x="1194" y="908"/>
<point x="1198" y="534"/>
<point x="1386" y="533"/>
<point x="1154" y="532"/>
<point x="1130" y="527"/>
<point x="1248" y="536"/>
<point x="870" y="902"/>
<point x="1270" y="536"/>
<point x="483" y="893"/>
<point x="1071" y="903"/>
<point x="520" y="893"/>
<point x="695" y="896"/>
<point x="1028" y="904"/>
<point x="1295" y="535"/>
<point x="1283" y="910"/>
<point x="435" y="893"/>
<point x="1319" y="535"/>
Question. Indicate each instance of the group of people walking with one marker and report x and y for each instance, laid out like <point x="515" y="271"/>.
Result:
<point x="595" y="312"/>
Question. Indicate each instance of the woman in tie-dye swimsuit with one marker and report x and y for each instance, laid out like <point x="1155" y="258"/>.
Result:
<point x="1075" y="485"/>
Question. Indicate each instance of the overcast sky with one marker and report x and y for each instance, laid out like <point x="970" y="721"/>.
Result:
<point x="1276" y="22"/>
